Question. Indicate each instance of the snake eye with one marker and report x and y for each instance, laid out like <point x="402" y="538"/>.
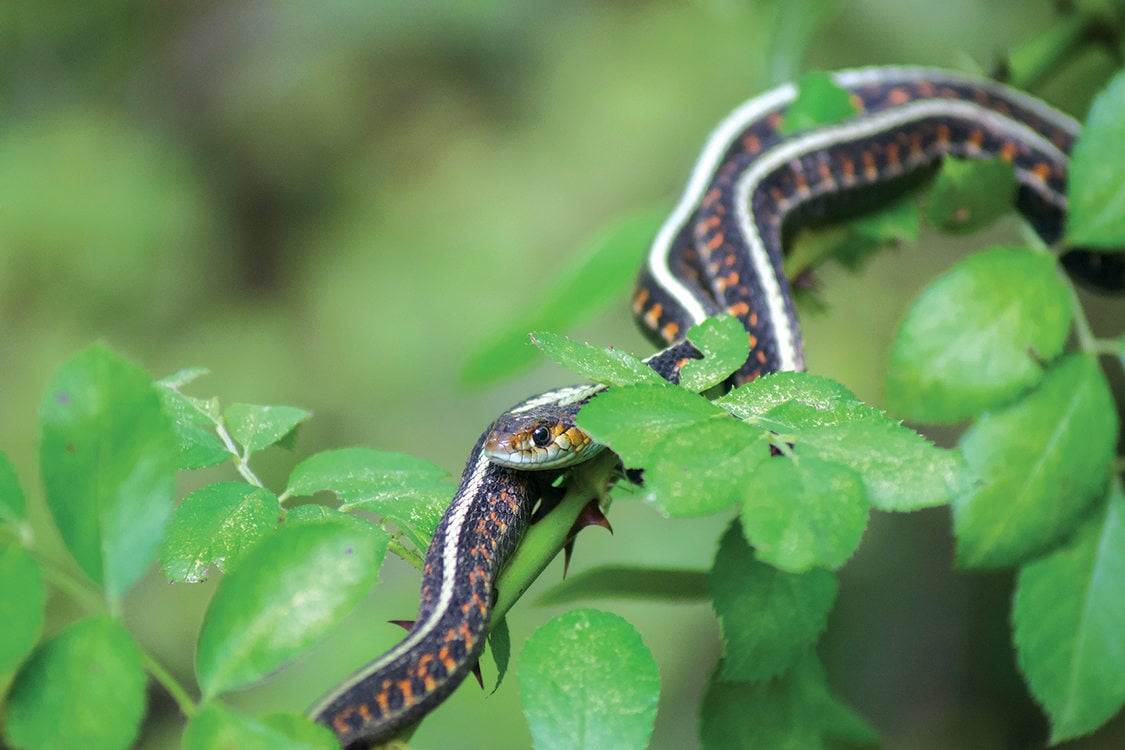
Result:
<point x="541" y="436"/>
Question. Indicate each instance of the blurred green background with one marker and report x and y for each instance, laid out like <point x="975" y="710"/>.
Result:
<point x="332" y="204"/>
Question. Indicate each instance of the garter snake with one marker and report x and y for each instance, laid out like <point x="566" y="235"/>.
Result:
<point x="719" y="250"/>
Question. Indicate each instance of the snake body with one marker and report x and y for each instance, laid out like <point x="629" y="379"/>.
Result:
<point x="720" y="250"/>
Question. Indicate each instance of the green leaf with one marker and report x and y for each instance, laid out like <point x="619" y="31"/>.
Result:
<point x="629" y="582"/>
<point x="286" y="593"/>
<point x="500" y="643"/>
<point x="634" y="420"/>
<point x="1069" y="625"/>
<point x="722" y="341"/>
<point x="216" y="727"/>
<point x="109" y="462"/>
<point x="194" y="429"/>
<point x="795" y="711"/>
<point x="805" y="512"/>
<point x="1038" y="465"/>
<point x="588" y="681"/>
<point x="769" y="618"/>
<point x="968" y="195"/>
<point x="603" y="274"/>
<point x="12" y="505"/>
<point x="899" y="468"/>
<point x="407" y="490"/>
<point x="609" y="365"/>
<point x="1096" y="183"/>
<point x="978" y="336"/>
<point x="898" y="222"/>
<point x="22" y="602"/>
<point x="819" y="102"/>
<point x="216" y="526"/>
<point x="706" y="467"/>
<point x="256" y="427"/>
<point x="83" y="688"/>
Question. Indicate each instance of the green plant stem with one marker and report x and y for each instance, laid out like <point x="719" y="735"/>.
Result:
<point x="171" y="685"/>
<point x="61" y="578"/>
<point x="546" y="538"/>
<point x="1086" y="339"/>
<point x="241" y="462"/>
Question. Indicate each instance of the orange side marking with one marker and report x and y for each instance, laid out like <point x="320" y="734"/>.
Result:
<point x="898" y="96"/>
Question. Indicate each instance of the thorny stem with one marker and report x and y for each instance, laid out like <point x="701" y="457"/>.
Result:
<point x="241" y="461"/>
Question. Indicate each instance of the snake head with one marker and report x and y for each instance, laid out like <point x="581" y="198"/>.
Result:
<point x="540" y="433"/>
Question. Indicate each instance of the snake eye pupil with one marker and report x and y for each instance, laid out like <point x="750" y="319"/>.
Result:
<point x="541" y="436"/>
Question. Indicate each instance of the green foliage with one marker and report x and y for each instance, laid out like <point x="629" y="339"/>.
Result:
<point x="757" y="648"/>
<point x="1036" y="466"/>
<point x="797" y="460"/>
<point x="946" y="367"/>
<point x="819" y="102"/>
<point x="22" y="597"/>
<point x="108" y="463"/>
<point x="215" y="526"/>
<point x="85" y="687"/>
<point x="283" y="597"/>
<point x="1096" y="186"/>
<point x="588" y="681"/>
<point x="795" y="710"/>
<point x="970" y="195"/>
<point x="1067" y="617"/>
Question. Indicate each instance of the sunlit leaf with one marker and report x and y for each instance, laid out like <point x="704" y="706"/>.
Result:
<point x="610" y="366"/>
<point x="1096" y="184"/>
<point x="408" y="490"/>
<point x="722" y="341"/>
<point x="109" y="462"/>
<point x="805" y="512"/>
<point x="285" y="594"/>
<point x="255" y="427"/>
<point x="1038" y="465"/>
<point x="1069" y="625"/>
<point x="215" y="526"/>
<point x="978" y="336"/>
<point x="769" y="618"/>
<point x="587" y="681"/>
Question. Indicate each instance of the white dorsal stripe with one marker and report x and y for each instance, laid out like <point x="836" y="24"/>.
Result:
<point x="785" y="325"/>
<point x="724" y="135"/>
<point x="466" y="495"/>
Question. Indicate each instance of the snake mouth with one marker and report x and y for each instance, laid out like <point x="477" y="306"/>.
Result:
<point x="518" y="450"/>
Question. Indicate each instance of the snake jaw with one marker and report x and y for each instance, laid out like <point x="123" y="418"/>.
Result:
<point x="516" y="448"/>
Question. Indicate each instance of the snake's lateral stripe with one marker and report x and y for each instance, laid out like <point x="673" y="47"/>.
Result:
<point x="719" y="250"/>
<point x="478" y="532"/>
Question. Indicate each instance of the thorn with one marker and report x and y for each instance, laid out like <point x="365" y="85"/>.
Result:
<point x="406" y="625"/>
<point x="590" y="515"/>
<point x="477" y="674"/>
<point x="568" y="550"/>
